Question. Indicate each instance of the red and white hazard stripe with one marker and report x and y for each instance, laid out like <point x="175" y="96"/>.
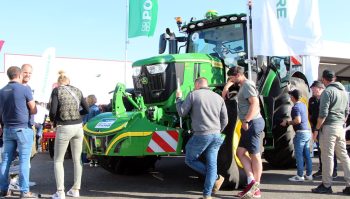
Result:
<point x="163" y="141"/>
<point x="296" y="60"/>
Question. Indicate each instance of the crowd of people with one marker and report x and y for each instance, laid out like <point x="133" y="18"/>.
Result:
<point x="22" y="120"/>
<point x="328" y="111"/>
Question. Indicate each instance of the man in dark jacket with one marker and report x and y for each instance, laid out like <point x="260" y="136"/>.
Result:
<point x="317" y="88"/>
<point x="334" y="109"/>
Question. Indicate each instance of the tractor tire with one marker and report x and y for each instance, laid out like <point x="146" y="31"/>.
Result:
<point x="234" y="175"/>
<point x="106" y="162"/>
<point x="282" y="156"/>
<point x="127" y="165"/>
<point x="51" y="147"/>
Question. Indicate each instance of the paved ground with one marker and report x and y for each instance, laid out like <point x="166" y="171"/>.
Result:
<point x="172" y="180"/>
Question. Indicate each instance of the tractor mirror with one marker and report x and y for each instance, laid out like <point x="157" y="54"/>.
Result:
<point x="162" y="43"/>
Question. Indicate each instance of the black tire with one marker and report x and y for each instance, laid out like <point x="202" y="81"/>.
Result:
<point x="127" y="165"/>
<point x="282" y="155"/>
<point x="234" y="175"/>
<point x="107" y="162"/>
<point x="51" y="147"/>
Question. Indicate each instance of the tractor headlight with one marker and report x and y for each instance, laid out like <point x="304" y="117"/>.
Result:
<point x="157" y="68"/>
<point x="136" y="71"/>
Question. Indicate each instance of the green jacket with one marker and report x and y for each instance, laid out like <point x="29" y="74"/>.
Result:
<point x="334" y="104"/>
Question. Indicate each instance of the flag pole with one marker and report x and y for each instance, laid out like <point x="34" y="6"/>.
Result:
<point x="249" y="40"/>
<point x="126" y="38"/>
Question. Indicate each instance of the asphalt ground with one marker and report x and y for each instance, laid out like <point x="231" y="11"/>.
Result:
<point x="171" y="179"/>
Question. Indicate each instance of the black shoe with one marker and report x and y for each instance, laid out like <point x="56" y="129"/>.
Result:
<point x="317" y="174"/>
<point x="322" y="189"/>
<point x="335" y="175"/>
<point x="346" y="191"/>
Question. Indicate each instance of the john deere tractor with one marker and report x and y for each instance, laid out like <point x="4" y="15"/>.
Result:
<point x="134" y="138"/>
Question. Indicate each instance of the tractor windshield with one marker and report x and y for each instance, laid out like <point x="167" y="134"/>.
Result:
<point x="226" y="42"/>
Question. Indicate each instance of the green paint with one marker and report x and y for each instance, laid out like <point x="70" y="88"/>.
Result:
<point x="281" y="9"/>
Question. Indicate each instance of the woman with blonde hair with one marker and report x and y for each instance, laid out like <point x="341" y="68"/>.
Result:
<point x="67" y="106"/>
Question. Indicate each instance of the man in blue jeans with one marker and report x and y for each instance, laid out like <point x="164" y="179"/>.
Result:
<point x="302" y="137"/>
<point x="16" y="104"/>
<point x="209" y="117"/>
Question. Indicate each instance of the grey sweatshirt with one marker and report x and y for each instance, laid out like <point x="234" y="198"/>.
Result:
<point x="334" y="104"/>
<point x="207" y="110"/>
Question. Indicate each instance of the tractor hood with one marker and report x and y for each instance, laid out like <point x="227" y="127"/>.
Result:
<point x="107" y="123"/>
<point x="171" y="58"/>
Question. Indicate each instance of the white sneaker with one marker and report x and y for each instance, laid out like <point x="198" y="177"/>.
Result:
<point x="296" y="179"/>
<point x="308" y="178"/>
<point x="73" y="193"/>
<point x="59" y="195"/>
<point x="32" y="183"/>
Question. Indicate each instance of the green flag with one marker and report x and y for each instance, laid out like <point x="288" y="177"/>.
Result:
<point x="142" y="17"/>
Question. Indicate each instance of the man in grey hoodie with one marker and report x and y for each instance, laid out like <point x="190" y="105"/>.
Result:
<point x="209" y="117"/>
<point x="334" y="109"/>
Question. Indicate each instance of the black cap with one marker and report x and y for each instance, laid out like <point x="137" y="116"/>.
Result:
<point x="317" y="84"/>
<point x="295" y="93"/>
<point x="328" y="75"/>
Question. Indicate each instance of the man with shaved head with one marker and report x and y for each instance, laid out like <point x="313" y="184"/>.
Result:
<point x="209" y="117"/>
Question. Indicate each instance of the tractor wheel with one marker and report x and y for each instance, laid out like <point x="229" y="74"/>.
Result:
<point x="283" y="153"/>
<point x="106" y="162"/>
<point x="51" y="147"/>
<point x="228" y="167"/>
<point x="127" y="165"/>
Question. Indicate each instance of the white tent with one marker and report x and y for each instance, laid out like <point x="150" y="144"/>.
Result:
<point x="92" y="76"/>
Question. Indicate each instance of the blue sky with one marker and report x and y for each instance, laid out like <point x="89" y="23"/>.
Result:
<point x="96" y="29"/>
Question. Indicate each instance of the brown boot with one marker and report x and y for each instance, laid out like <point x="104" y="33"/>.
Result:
<point x="218" y="184"/>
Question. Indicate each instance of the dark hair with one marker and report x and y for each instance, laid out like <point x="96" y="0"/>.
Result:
<point x="329" y="75"/>
<point x="233" y="71"/>
<point x="317" y="84"/>
<point x="13" y="72"/>
<point x="295" y="93"/>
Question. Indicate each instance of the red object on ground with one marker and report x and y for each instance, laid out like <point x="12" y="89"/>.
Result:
<point x="48" y="135"/>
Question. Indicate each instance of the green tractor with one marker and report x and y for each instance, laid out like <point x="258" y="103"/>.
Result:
<point x="144" y="125"/>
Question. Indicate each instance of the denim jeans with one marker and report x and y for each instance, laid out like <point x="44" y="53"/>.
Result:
<point x="39" y="134"/>
<point x="302" y="150"/>
<point x="210" y="145"/>
<point x="21" y="138"/>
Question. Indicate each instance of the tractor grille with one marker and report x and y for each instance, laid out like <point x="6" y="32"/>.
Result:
<point x="99" y="144"/>
<point x="155" y="88"/>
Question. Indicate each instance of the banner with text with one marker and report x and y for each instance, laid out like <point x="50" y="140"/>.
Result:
<point x="142" y="17"/>
<point x="286" y="27"/>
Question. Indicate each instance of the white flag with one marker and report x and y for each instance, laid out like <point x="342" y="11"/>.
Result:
<point x="286" y="27"/>
<point x="48" y="60"/>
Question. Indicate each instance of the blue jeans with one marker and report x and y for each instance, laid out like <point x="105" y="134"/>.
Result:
<point x="302" y="150"/>
<point x="210" y="145"/>
<point x="21" y="138"/>
<point x="39" y="134"/>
